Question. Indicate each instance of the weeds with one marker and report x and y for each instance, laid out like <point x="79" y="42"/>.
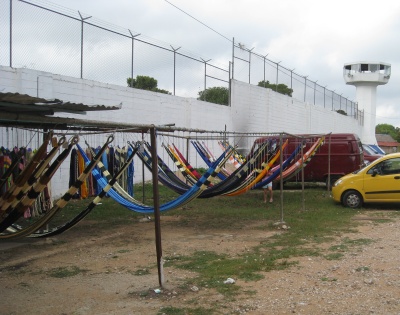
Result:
<point x="64" y="272"/>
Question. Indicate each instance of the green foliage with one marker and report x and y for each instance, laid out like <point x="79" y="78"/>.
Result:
<point x="280" y="88"/>
<point x="217" y="95"/>
<point x="387" y="129"/>
<point x="341" y="111"/>
<point x="145" y="83"/>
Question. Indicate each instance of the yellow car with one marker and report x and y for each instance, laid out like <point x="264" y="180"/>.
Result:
<point x="376" y="182"/>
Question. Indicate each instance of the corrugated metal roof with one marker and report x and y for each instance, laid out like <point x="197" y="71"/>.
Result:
<point x="381" y="137"/>
<point x="26" y="104"/>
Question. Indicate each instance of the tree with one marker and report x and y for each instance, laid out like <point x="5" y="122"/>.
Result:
<point x="145" y="83"/>
<point x="341" y="111"/>
<point x="280" y="88"/>
<point x="387" y="129"/>
<point x="217" y="95"/>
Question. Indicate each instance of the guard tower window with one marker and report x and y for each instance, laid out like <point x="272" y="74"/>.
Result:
<point x="364" y="67"/>
<point x="373" y="68"/>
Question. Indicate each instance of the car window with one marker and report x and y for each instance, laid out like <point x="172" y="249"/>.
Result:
<point x="387" y="167"/>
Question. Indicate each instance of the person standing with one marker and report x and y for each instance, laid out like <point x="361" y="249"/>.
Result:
<point x="268" y="188"/>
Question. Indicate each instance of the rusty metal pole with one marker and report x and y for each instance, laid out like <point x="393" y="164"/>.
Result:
<point x="281" y="179"/>
<point x="302" y="175"/>
<point x="156" y="203"/>
<point x="143" y="178"/>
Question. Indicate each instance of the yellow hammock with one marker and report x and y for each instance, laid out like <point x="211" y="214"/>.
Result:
<point x="262" y="174"/>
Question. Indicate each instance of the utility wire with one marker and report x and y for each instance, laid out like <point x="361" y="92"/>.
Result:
<point x="199" y="21"/>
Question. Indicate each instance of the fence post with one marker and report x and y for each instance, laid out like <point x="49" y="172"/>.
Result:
<point x="205" y="76"/>
<point x="82" y="21"/>
<point x="233" y="56"/>
<point x="291" y="78"/>
<point x="305" y="87"/>
<point x="277" y="71"/>
<point x="250" y="64"/>
<point x="133" y="41"/>
<point x="315" y="89"/>
<point x="11" y="33"/>
<point x="264" y="57"/>
<point x="175" y="50"/>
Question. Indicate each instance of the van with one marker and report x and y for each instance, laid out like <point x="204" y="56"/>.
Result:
<point x="342" y="151"/>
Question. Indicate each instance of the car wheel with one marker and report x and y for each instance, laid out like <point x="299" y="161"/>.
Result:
<point x="352" y="199"/>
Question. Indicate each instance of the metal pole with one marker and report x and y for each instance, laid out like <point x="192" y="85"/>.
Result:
<point x="315" y="89"/>
<point x="230" y="85"/>
<point x="133" y="42"/>
<point x="249" y="66"/>
<point x="175" y="50"/>
<point x="277" y="71"/>
<point x="11" y="33"/>
<point x="82" y="20"/>
<point x="281" y="177"/>
<point x="233" y="56"/>
<point x="329" y="165"/>
<point x="156" y="205"/>
<point x="291" y="79"/>
<point x="264" y="71"/>
<point x="143" y="179"/>
<point x="302" y="176"/>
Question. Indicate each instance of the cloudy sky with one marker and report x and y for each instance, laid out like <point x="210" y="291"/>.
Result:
<point x="313" y="37"/>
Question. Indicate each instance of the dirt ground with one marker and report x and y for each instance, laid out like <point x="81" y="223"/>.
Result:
<point x="120" y="273"/>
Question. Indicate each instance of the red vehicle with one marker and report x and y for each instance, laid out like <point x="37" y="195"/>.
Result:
<point x="342" y="151"/>
<point x="370" y="154"/>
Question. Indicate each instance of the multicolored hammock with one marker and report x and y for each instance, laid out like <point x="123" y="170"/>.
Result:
<point x="36" y="189"/>
<point x="62" y="202"/>
<point x="189" y="195"/>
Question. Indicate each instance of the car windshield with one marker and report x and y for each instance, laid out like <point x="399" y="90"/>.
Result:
<point x="368" y="150"/>
<point x="366" y="164"/>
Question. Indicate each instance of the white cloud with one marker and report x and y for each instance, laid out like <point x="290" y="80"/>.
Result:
<point x="312" y="36"/>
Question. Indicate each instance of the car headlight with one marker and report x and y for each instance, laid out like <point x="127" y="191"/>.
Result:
<point x="337" y="183"/>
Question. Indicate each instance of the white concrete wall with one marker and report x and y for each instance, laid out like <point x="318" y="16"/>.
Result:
<point x="253" y="110"/>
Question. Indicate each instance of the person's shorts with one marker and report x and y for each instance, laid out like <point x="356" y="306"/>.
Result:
<point x="268" y="185"/>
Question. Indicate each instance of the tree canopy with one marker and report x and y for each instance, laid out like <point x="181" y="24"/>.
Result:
<point x="145" y="83"/>
<point x="388" y="130"/>
<point x="341" y="111"/>
<point x="217" y="95"/>
<point x="280" y="88"/>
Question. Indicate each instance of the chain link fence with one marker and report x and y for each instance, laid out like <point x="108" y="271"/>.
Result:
<point x="40" y="35"/>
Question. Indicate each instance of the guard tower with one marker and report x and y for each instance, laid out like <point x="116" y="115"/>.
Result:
<point x="366" y="76"/>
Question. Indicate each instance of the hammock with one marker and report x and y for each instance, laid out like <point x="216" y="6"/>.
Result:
<point x="29" y="175"/>
<point x="62" y="202"/>
<point x="165" y="175"/>
<point x="206" y="158"/>
<point x="239" y="175"/>
<point x="190" y="167"/>
<point x="36" y="189"/>
<point x="180" y="166"/>
<point x="108" y="177"/>
<point x="113" y="180"/>
<point x="294" y="169"/>
<point x="189" y="195"/>
<point x="258" y="177"/>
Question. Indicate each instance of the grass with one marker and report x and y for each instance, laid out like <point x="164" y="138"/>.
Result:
<point x="320" y="221"/>
<point x="65" y="272"/>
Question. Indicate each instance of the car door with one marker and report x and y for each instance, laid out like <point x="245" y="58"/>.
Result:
<point x="382" y="182"/>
